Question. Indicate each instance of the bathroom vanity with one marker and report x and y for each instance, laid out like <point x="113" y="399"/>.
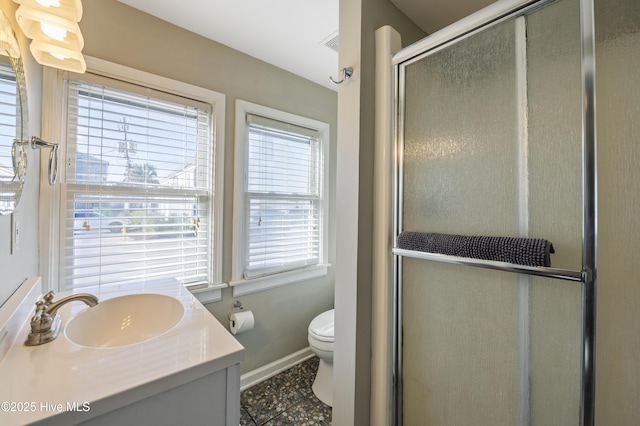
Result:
<point x="190" y="374"/>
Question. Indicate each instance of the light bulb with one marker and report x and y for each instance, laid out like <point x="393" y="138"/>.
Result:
<point x="58" y="56"/>
<point x="53" y="31"/>
<point x="47" y="3"/>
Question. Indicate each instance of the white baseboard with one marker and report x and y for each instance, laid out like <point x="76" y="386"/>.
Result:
<point x="278" y="366"/>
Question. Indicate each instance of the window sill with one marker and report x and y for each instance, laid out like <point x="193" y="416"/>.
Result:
<point x="209" y="294"/>
<point x="244" y="286"/>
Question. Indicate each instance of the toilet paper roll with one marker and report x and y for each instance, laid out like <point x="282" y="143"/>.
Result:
<point x="240" y="322"/>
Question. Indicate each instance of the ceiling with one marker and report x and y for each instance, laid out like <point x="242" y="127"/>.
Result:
<point x="290" y="34"/>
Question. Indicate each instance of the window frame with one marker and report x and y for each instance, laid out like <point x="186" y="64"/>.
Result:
<point x="53" y="113"/>
<point x="239" y="283"/>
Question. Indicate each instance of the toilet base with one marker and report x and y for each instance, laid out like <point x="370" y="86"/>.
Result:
<point x="323" y="384"/>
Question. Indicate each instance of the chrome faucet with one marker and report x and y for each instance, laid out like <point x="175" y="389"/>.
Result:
<point x="45" y="324"/>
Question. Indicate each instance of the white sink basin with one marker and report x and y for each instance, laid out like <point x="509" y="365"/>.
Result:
<point x="124" y="320"/>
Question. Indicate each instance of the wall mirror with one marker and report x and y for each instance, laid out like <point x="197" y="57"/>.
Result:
<point x="13" y="119"/>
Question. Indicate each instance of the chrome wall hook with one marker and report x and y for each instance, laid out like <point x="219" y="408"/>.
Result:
<point x="346" y="75"/>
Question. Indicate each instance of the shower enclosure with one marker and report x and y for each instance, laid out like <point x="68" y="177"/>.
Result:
<point x="495" y="136"/>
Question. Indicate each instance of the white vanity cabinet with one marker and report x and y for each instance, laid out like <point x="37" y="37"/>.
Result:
<point x="188" y="375"/>
<point x="210" y="400"/>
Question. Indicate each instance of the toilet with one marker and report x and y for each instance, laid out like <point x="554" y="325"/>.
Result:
<point x="321" y="342"/>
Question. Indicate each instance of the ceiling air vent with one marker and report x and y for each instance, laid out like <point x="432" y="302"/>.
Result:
<point x="332" y="42"/>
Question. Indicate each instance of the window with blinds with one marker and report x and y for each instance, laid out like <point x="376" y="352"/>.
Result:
<point x="283" y="197"/>
<point x="137" y="194"/>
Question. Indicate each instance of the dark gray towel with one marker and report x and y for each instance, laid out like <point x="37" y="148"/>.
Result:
<point x="521" y="251"/>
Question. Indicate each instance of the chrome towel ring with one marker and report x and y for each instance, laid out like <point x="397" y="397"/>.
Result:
<point x="37" y="143"/>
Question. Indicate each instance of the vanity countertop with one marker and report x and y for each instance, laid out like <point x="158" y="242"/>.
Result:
<point x="61" y="382"/>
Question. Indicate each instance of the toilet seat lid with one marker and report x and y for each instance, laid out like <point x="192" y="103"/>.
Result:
<point x="322" y="326"/>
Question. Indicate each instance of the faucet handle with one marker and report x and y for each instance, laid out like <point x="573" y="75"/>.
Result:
<point x="41" y="319"/>
<point x="40" y="307"/>
<point x="48" y="298"/>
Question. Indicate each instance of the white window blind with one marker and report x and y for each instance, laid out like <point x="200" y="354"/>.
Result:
<point x="136" y="200"/>
<point x="283" y="197"/>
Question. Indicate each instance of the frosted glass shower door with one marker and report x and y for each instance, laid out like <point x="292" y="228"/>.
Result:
<point x="490" y="136"/>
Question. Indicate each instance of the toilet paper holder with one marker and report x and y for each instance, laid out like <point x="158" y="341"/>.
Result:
<point x="237" y="307"/>
<point x="240" y="319"/>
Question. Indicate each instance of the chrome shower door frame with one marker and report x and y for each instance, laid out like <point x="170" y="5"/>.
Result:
<point x="489" y="16"/>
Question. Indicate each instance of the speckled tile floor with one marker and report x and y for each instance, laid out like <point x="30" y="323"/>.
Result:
<point x="285" y="399"/>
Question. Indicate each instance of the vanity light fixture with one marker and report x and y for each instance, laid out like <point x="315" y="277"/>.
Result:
<point x="58" y="57"/>
<point x="68" y="9"/>
<point x="39" y="25"/>
<point x="52" y="25"/>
